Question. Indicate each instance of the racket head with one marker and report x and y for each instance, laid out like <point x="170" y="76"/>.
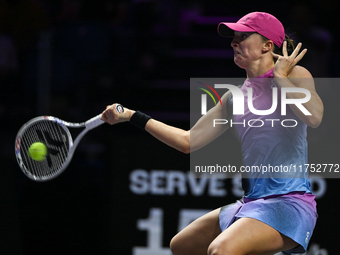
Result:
<point x="52" y="132"/>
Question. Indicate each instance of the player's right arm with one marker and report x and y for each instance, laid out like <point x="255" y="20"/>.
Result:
<point x="186" y="141"/>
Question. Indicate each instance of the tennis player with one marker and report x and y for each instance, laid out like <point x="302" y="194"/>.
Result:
<point x="277" y="213"/>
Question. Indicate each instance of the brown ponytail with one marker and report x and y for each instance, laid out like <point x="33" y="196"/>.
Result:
<point x="290" y="47"/>
<point x="277" y="50"/>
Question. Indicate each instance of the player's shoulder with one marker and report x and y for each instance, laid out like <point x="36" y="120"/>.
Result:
<point x="301" y="77"/>
<point x="225" y="96"/>
<point x="300" y="72"/>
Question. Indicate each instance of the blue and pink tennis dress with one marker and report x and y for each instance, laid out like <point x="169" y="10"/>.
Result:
<point x="282" y="197"/>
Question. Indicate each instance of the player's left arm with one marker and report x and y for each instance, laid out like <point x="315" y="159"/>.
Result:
<point x="290" y="75"/>
<point x="300" y="77"/>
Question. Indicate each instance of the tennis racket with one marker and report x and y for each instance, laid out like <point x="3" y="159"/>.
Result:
<point x="54" y="133"/>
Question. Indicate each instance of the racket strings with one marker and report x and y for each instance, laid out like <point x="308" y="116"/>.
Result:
<point x="56" y="140"/>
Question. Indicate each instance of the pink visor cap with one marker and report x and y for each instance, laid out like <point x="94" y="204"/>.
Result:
<point x="263" y="23"/>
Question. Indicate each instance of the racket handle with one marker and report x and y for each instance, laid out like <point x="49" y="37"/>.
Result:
<point x="94" y="122"/>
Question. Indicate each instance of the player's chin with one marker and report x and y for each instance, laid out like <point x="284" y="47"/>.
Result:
<point x="239" y="63"/>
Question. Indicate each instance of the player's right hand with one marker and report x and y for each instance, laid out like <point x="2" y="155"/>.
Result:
<point x="116" y="113"/>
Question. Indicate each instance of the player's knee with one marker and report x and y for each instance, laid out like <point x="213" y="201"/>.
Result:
<point x="176" y="245"/>
<point x="215" y="250"/>
<point x="224" y="248"/>
<point x="180" y="245"/>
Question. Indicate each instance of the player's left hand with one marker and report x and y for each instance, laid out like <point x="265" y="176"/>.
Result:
<point x="284" y="63"/>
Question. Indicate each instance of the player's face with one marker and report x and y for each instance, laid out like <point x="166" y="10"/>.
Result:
<point x="247" y="48"/>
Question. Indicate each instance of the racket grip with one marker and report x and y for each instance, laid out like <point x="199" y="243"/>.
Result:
<point x="94" y="122"/>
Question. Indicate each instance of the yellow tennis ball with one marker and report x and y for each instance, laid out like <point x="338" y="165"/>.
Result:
<point x="37" y="151"/>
